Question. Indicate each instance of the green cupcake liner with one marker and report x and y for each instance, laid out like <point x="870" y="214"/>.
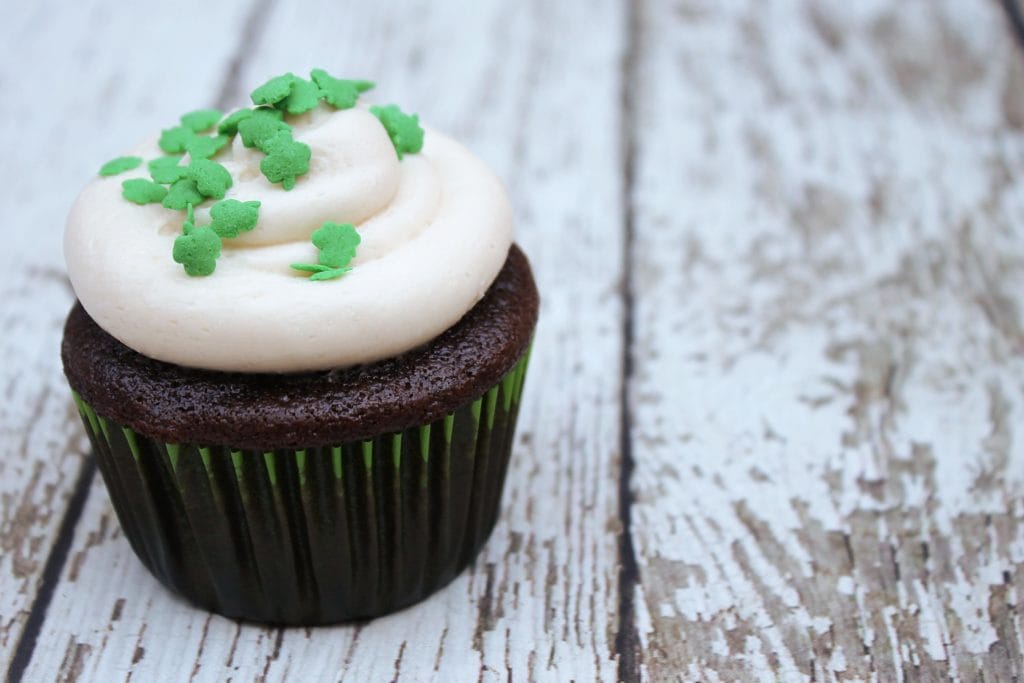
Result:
<point x="316" y="535"/>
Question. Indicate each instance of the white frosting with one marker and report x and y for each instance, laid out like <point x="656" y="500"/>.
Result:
<point x="435" y="230"/>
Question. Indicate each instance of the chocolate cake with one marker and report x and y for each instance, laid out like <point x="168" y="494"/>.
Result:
<point x="177" y="404"/>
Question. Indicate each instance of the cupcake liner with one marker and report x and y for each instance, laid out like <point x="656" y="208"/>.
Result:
<point x="316" y="535"/>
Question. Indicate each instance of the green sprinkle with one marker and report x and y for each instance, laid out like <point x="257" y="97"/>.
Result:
<point x="336" y="244"/>
<point x="212" y="179"/>
<point x="120" y="165"/>
<point x="256" y="130"/>
<point x="202" y="147"/>
<point x="269" y="111"/>
<point x="403" y="129"/>
<point x="286" y="159"/>
<point x="231" y="217"/>
<point x="142" y="191"/>
<point x="338" y="93"/>
<point x="303" y="97"/>
<point x="329" y="274"/>
<point x="321" y="272"/>
<point x="201" y="119"/>
<point x="229" y="126"/>
<point x="310" y="267"/>
<point x="174" y="140"/>
<point x="198" y="251"/>
<point x="165" y="170"/>
<point x="182" y="193"/>
<point x="274" y="90"/>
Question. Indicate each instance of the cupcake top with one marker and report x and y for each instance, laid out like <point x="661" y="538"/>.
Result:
<point x="307" y="233"/>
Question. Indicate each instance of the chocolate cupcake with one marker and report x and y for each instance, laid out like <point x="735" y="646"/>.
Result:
<point x="300" y="346"/>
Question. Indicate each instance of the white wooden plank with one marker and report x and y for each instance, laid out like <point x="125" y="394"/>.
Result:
<point x="541" y="601"/>
<point x="827" y="400"/>
<point x="72" y="99"/>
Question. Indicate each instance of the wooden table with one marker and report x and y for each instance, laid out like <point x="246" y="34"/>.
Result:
<point x="773" y="428"/>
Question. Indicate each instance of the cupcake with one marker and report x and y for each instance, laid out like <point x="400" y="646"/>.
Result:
<point x="299" y="346"/>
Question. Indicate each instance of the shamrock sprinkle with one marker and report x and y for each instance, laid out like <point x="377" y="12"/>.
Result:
<point x="274" y="90"/>
<point x="202" y="147"/>
<point x="338" y="93"/>
<point x="165" y="170"/>
<point x="182" y="193"/>
<point x="142" y="191"/>
<point x="120" y="165"/>
<point x="403" y="129"/>
<point x="229" y="126"/>
<point x="197" y="250"/>
<point x="260" y="127"/>
<point x="303" y="97"/>
<point x="174" y="140"/>
<point x="336" y="244"/>
<point x="212" y="179"/>
<point x="286" y="159"/>
<point x="201" y="119"/>
<point x="232" y="217"/>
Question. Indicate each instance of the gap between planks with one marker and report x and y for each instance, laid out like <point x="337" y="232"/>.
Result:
<point x="1015" y="15"/>
<point x="627" y="638"/>
<point x="52" y="571"/>
<point x="252" y="33"/>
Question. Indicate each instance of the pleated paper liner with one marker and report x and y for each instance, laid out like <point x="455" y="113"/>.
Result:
<point x="318" y="535"/>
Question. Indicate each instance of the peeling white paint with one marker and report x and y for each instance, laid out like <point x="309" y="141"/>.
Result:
<point x="827" y="316"/>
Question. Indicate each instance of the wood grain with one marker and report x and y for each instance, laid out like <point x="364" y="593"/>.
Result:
<point x="541" y="601"/>
<point x="794" y="227"/>
<point x="828" y="359"/>
<point x="70" y="100"/>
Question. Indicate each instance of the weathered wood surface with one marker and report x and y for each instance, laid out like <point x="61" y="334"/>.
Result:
<point x="827" y="399"/>
<point x="787" y="234"/>
<point x="541" y="601"/>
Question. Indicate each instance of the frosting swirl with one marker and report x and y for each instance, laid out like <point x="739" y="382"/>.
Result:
<point x="435" y="229"/>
